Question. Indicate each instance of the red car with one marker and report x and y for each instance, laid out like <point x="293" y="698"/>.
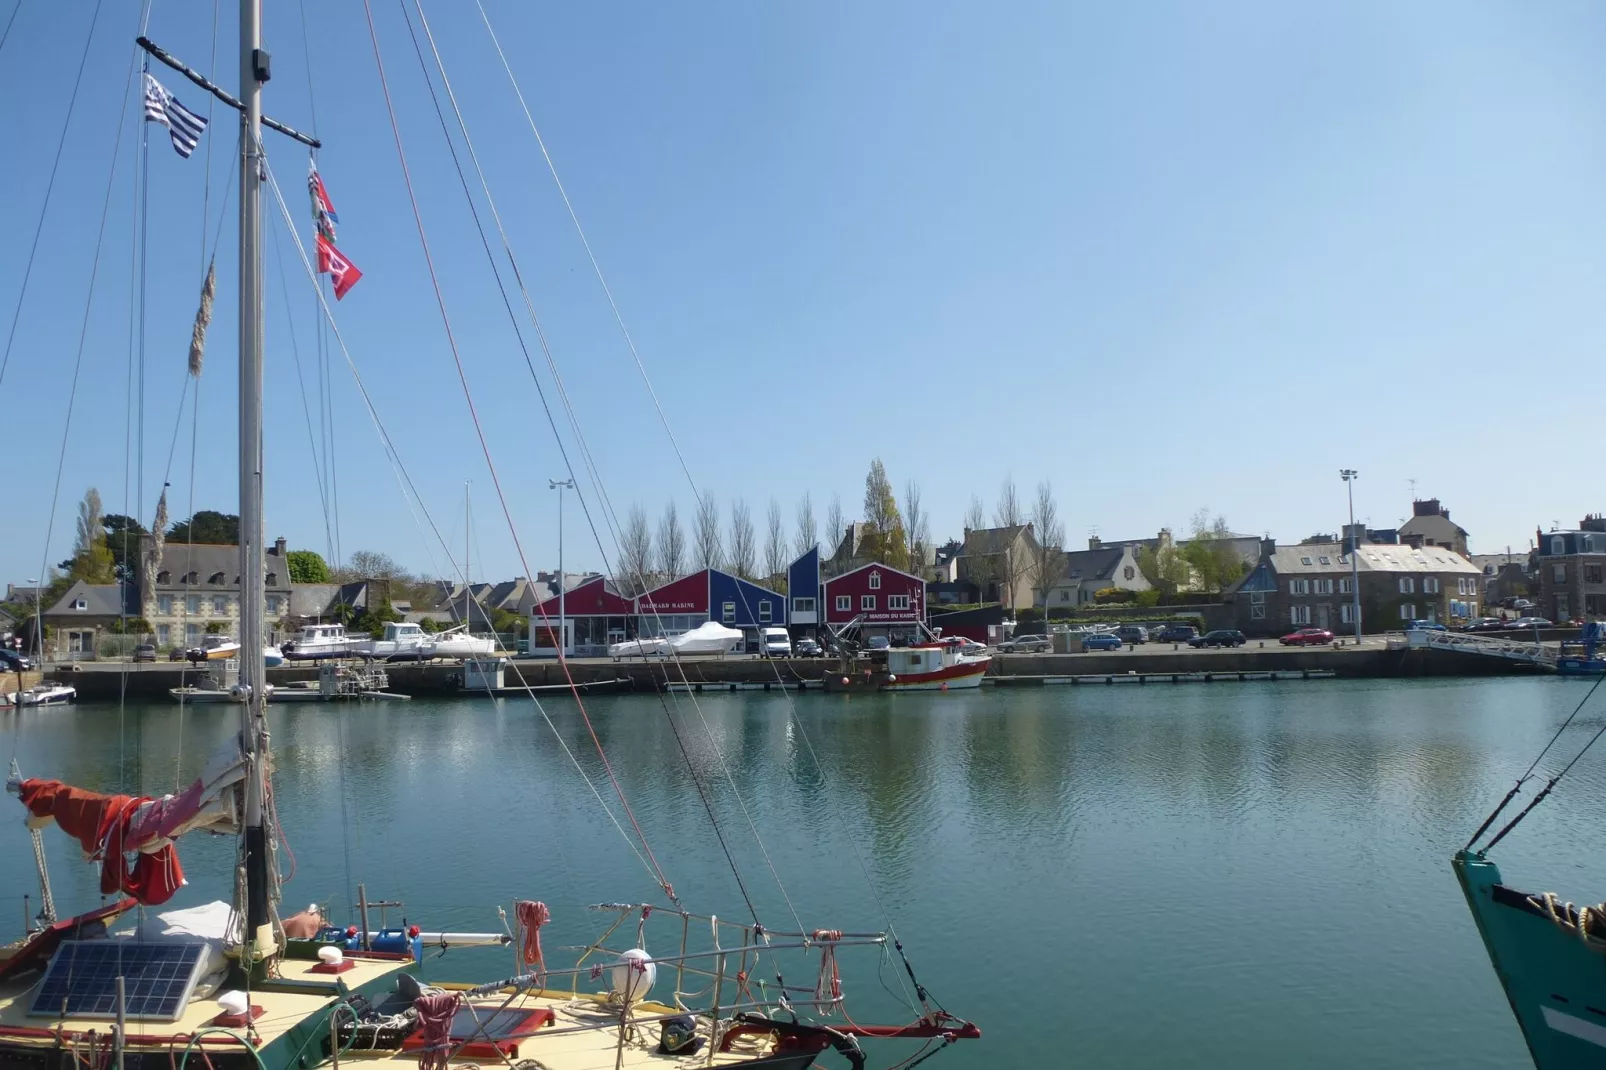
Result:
<point x="1307" y="637"/>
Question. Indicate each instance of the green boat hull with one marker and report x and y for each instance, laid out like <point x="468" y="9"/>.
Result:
<point x="1554" y="979"/>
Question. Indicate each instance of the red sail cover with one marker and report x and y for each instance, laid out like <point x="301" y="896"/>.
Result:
<point x="102" y="824"/>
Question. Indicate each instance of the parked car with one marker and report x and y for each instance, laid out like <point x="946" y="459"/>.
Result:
<point x="176" y="654"/>
<point x="1133" y="633"/>
<point x="1529" y="622"/>
<point x="879" y="642"/>
<point x="972" y="648"/>
<point x="1177" y="633"/>
<point x="1219" y="637"/>
<point x="145" y="652"/>
<point x="1425" y="626"/>
<point x="1026" y="644"/>
<point x="807" y="648"/>
<point x="1307" y="637"/>
<point x="1101" y="641"/>
<point x="12" y="661"/>
<point x="1485" y="624"/>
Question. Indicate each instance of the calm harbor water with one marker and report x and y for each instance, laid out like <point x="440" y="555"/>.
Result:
<point x="1251" y="875"/>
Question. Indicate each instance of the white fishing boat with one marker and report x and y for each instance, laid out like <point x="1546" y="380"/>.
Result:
<point x="401" y="642"/>
<point x="458" y="643"/>
<point x="42" y="694"/>
<point x="318" y="641"/>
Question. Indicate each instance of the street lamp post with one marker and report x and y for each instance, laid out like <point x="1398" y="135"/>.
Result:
<point x="563" y="584"/>
<point x="1349" y="476"/>
<point x="39" y="622"/>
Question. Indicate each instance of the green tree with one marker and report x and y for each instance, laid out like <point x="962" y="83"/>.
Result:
<point x="429" y="625"/>
<point x="91" y="560"/>
<point x="122" y="539"/>
<point x="307" y="566"/>
<point x="207" y="526"/>
<point x="1165" y="570"/>
<point x="1210" y="554"/>
<point x="886" y="541"/>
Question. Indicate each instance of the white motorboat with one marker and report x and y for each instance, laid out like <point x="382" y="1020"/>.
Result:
<point x="214" y="648"/>
<point x="317" y="641"/>
<point x="42" y="694"/>
<point x="710" y="637"/>
<point x="457" y="643"/>
<point x="402" y="642"/>
<point x="639" y="648"/>
<point x="271" y="656"/>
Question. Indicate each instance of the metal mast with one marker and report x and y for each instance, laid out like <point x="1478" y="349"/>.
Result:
<point x="253" y="73"/>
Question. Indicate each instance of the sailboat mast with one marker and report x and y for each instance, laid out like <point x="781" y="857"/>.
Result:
<point x="468" y="544"/>
<point x="253" y="72"/>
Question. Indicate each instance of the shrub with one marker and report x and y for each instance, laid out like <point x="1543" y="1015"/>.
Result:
<point x="1113" y="596"/>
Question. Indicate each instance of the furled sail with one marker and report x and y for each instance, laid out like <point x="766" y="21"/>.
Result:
<point x="111" y="827"/>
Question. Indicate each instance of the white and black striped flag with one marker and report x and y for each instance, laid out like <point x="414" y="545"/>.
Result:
<point x="162" y="107"/>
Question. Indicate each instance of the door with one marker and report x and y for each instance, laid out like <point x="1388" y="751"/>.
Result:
<point x="1324" y="615"/>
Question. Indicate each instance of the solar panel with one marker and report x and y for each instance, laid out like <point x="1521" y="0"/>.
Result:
<point x="157" y="979"/>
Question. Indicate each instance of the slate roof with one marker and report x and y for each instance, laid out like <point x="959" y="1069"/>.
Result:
<point x="984" y="542"/>
<point x="1084" y="565"/>
<point x="102" y="600"/>
<point x="1329" y="557"/>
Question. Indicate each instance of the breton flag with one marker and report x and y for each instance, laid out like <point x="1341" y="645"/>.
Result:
<point x="342" y="271"/>
<point x="162" y="107"/>
<point x="323" y="209"/>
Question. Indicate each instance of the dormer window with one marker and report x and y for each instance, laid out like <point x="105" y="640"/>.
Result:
<point x="192" y="577"/>
<point x="164" y="577"/>
<point x="273" y="579"/>
<point x="216" y="578"/>
<point x="1558" y="545"/>
<point x="79" y="604"/>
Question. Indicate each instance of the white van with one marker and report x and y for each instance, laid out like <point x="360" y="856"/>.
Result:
<point x="774" y="643"/>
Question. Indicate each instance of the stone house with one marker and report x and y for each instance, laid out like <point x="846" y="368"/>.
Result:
<point x="83" y="612"/>
<point x="1572" y="571"/>
<point x="1311" y="585"/>
<point x="1506" y="575"/>
<point x="1089" y="571"/>
<point x="1430" y="525"/>
<point x="197" y="590"/>
<point x="1001" y="563"/>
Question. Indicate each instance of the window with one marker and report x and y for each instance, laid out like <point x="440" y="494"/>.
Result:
<point x="1299" y="586"/>
<point x="1304" y="561"/>
<point x="844" y="603"/>
<point x="275" y="604"/>
<point x="1560" y="573"/>
<point x="273" y="579"/>
<point x="1592" y="574"/>
<point x="875" y="581"/>
<point x="1129" y="572"/>
<point x="897" y="601"/>
<point x="164" y="577"/>
<point x="1430" y="585"/>
<point x="1595" y="605"/>
<point x="1324" y="586"/>
<point x="1407" y="585"/>
<point x="764" y="611"/>
<point x="1065" y="594"/>
<point x="164" y="604"/>
<point x="192" y="635"/>
<point x="1257" y="611"/>
<point x="728" y="612"/>
<point x="192" y="604"/>
<point x="215" y="578"/>
<point x="1299" y="614"/>
<point x="1408" y="611"/>
<point x="867" y="602"/>
<point x="1558" y="545"/>
<point x="1324" y="560"/>
<point x="79" y="604"/>
<point x="803" y="605"/>
<point x="1345" y="587"/>
<point x="220" y="604"/>
<point x="1346" y="613"/>
<point x="162" y="633"/>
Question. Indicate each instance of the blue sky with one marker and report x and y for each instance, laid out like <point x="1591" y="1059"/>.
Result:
<point x="1166" y="256"/>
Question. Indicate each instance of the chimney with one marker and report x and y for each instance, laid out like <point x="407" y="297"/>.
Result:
<point x="1165" y="541"/>
<point x="1426" y="507"/>
<point x="1268" y="546"/>
<point x="1593" y="522"/>
<point x="279" y="545"/>
<point x="1093" y="542"/>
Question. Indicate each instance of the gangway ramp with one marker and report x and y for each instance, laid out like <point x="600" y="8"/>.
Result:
<point x="1489" y="646"/>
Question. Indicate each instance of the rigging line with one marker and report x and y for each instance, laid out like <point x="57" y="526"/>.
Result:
<point x="295" y="351"/>
<point x="83" y="334"/>
<point x="50" y="187"/>
<point x="7" y="32"/>
<point x="1551" y="783"/>
<point x="1517" y="787"/>
<point x="469" y="145"/>
<point x="206" y="188"/>
<point x="457" y="359"/>
<point x="579" y="230"/>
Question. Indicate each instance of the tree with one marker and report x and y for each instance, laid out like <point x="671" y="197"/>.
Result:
<point x="1164" y="568"/>
<point x="885" y="538"/>
<point x="307" y="566"/>
<point x="207" y="526"/>
<point x="1011" y="562"/>
<point x="705" y="547"/>
<point x="1050" y="541"/>
<point x="835" y="525"/>
<point x="919" y="526"/>
<point x="635" y="554"/>
<point x="370" y="565"/>
<point x="671" y="544"/>
<point x="1210" y="554"/>
<point x="743" y="545"/>
<point x="92" y="559"/>
<point x="775" y="544"/>
<point x="807" y="535"/>
<point x="122" y="539"/>
<point x="979" y="568"/>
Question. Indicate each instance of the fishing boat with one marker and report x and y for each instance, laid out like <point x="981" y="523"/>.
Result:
<point x="318" y="641"/>
<point x="1584" y="656"/>
<point x="235" y="986"/>
<point x="42" y="694"/>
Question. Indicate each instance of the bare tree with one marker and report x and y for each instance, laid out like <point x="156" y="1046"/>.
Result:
<point x="671" y="544"/>
<point x="1012" y="561"/>
<point x="975" y="515"/>
<point x="918" y="526"/>
<point x="1050" y="542"/>
<point x="1007" y="513"/>
<point x="976" y="565"/>
<point x="743" y="544"/>
<point x="835" y="524"/>
<point x="706" y="549"/>
<point x="807" y="534"/>
<point x="635" y="554"/>
<point x="775" y="544"/>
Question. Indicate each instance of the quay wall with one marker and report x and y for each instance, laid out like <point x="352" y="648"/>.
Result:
<point x="145" y="682"/>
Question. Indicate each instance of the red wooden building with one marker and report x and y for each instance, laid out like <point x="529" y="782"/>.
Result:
<point x="884" y="600"/>
<point x="596" y="616"/>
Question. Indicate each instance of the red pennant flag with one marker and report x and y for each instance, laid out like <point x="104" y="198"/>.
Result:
<point x="344" y="273"/>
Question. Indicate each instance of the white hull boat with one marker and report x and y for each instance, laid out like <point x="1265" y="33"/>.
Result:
<point x="639" y="648"/>
<point x="457" y="643"/>
<point x="271" y="656"/>
<point x="402" y="642"/>
<point x="42" y="695"/>
<point x="318" y="641"/>
<point x="710" y="638"/>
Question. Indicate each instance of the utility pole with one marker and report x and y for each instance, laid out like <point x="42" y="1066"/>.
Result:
<point x="563" y="583"/>
<point x="1349" y="476"/>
